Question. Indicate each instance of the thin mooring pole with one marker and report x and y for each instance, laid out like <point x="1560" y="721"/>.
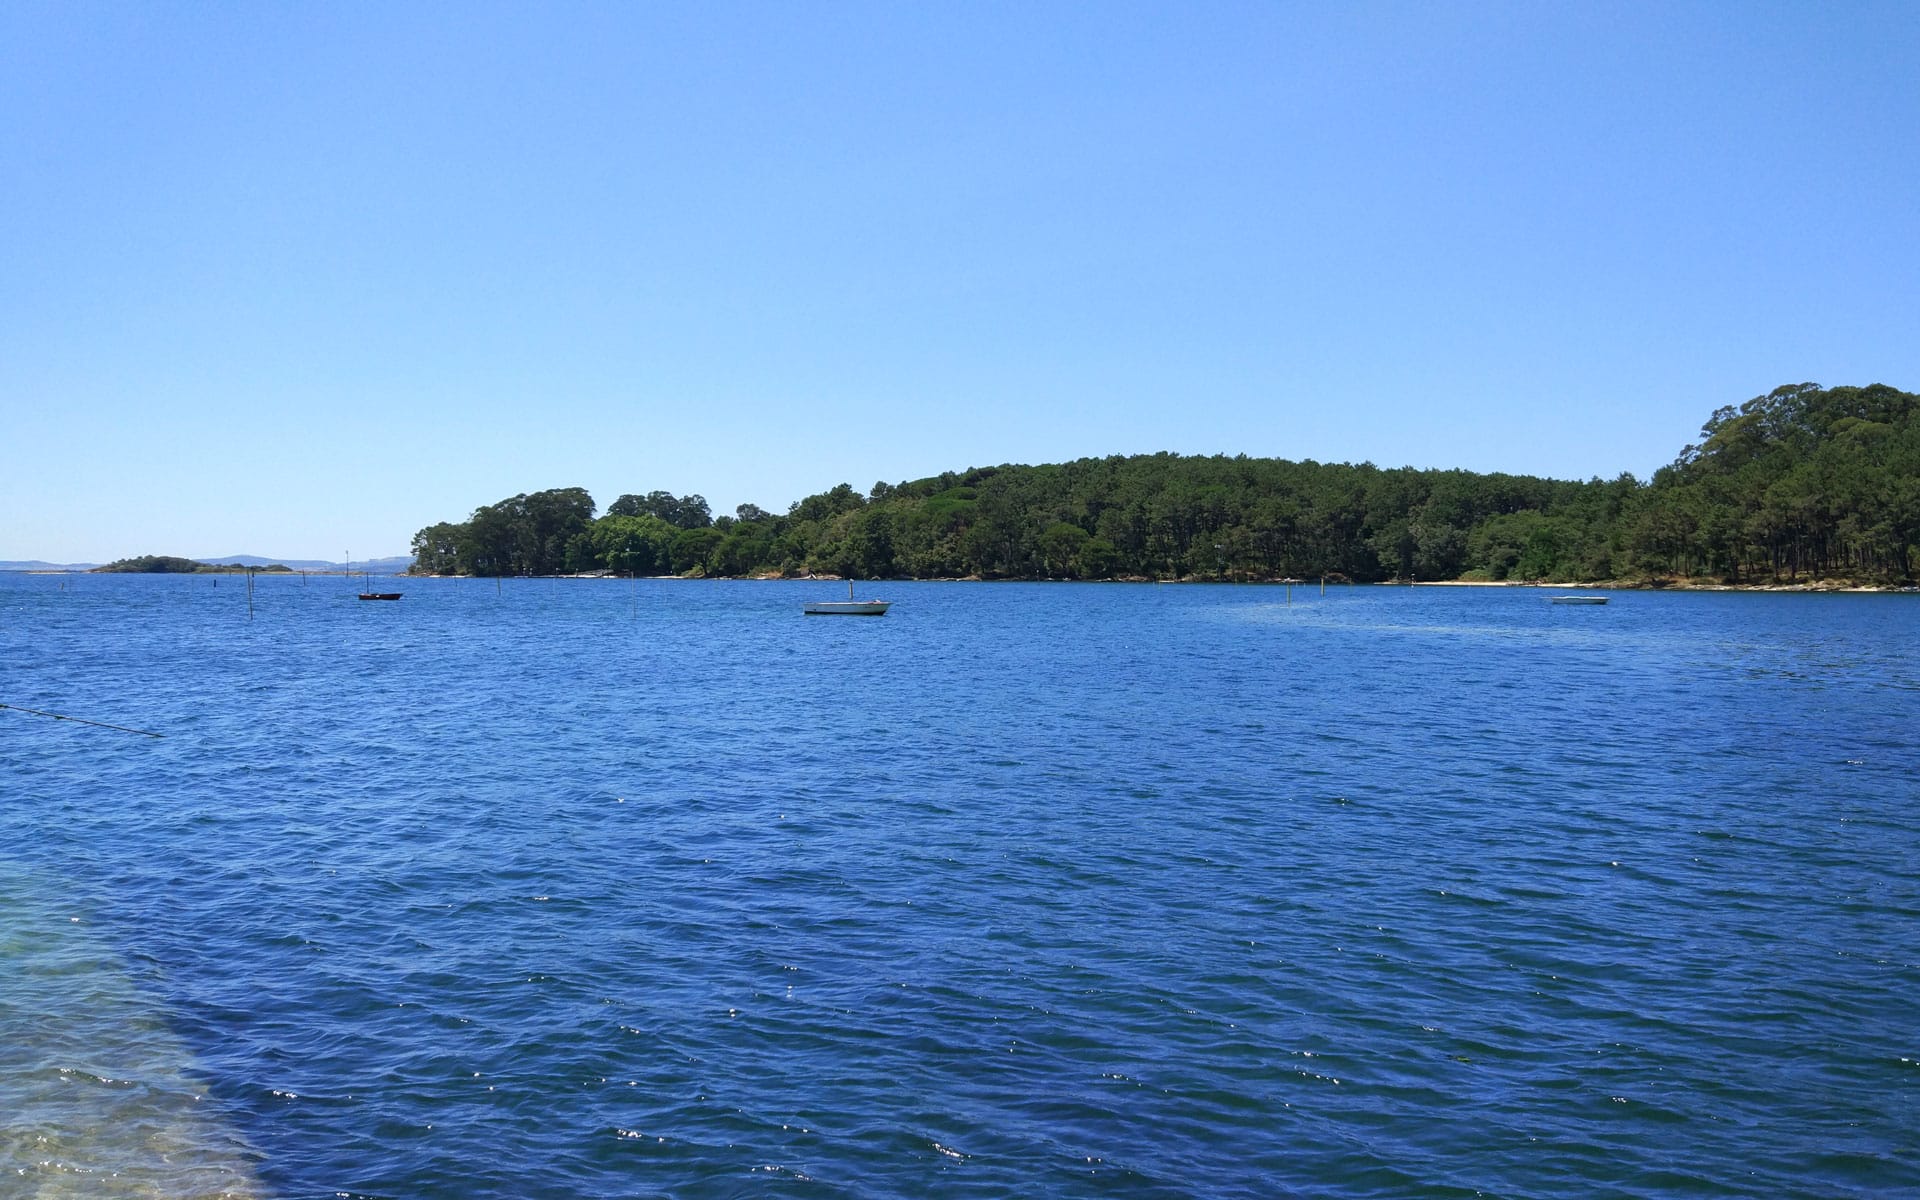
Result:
<point x="83" y="721"/>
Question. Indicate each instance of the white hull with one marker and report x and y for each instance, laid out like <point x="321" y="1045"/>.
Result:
<point x="848" y="608"/>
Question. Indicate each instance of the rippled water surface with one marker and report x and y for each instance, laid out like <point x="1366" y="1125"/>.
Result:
<point x="593" y="888"/>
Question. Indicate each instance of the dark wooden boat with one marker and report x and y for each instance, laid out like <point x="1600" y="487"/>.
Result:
<point x="366" y="581"/>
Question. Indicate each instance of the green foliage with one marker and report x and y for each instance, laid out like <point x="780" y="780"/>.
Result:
<point x="155" y="564"/>
<point x="841" y="499"/>
<point x="681" y="512"/>
<point x="167" y="564"/>
<point x="438" y="550"/>
<point x="1061" y="544"/>
<point x="691" y="548"/>
<point x="625" y="545"/>
<point x="1805" y="480"/>
<point x="529" y="534"/>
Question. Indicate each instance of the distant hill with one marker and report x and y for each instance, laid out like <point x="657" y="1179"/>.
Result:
<point x="167" y="564"/>
<point x="254" y="560"/>
<point x="390" y="564"/>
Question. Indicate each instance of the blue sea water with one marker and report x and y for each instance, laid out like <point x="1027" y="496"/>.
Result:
<point x="563" y="888"/>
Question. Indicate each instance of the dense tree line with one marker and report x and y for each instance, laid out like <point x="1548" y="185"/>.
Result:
<point x="1805" y="481"/>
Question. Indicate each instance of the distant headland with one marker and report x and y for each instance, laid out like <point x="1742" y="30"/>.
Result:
<point x="1806" y="485"/>
<point x="165" y="564"/>
<point x="168" y="564"/>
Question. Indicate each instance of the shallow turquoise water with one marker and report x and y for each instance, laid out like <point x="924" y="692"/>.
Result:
<point x="575" y="888"/>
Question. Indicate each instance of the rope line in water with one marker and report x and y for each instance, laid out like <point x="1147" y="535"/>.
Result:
<point x="82" y="721"/>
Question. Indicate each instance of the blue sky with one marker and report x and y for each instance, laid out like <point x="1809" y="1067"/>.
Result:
<point x="298" y="279"/>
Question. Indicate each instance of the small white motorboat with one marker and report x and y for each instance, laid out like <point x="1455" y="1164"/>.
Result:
<point x="1579" y="599"/>
<point x="848" y="607"/>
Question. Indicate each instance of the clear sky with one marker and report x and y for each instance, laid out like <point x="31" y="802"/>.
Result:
<point x="300" y="278"/>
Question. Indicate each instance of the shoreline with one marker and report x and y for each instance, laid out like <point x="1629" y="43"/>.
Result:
<point x="1615" y="585"/>
<point x="1679" y="585"/>
<point x="1833" y="586"/>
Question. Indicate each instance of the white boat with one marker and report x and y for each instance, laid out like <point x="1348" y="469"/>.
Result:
<point x="848" y="607"/>
<point x="1579" y="599"/>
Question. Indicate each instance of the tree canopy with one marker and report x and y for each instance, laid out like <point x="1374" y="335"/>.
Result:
<point x="1805" y="481"/>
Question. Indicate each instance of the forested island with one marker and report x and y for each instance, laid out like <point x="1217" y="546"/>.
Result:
<point x="167" y="564"/>
<point x="1804" y="484"/>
